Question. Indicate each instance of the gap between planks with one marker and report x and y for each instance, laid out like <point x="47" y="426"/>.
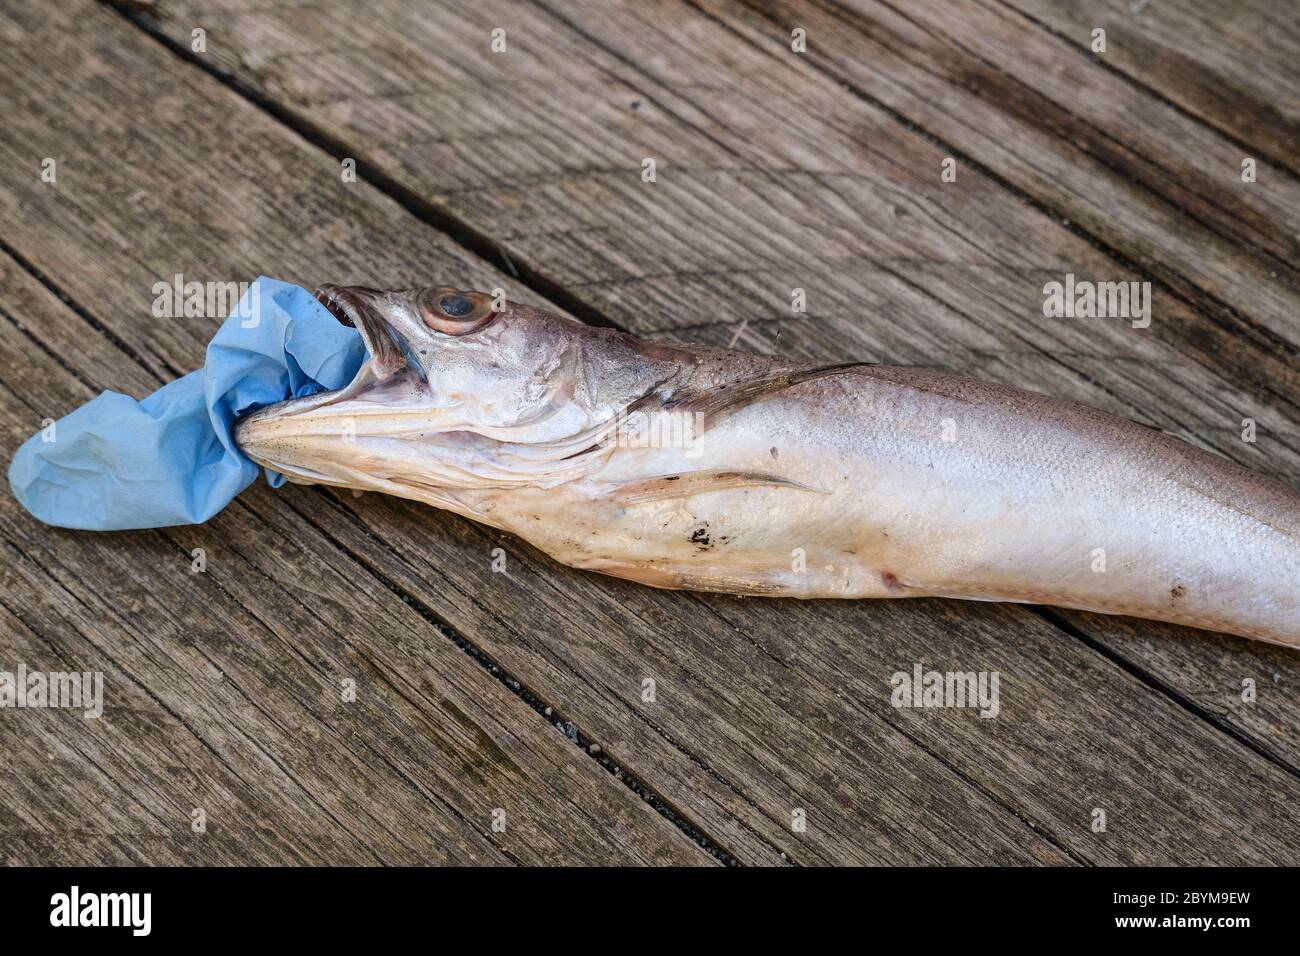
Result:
<point x="1260" y="150"/>
<point x="1214" y="309"/>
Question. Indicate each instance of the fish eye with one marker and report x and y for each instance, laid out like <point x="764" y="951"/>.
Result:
<point x="454" y="312"/>
<point x="456" y="305"/>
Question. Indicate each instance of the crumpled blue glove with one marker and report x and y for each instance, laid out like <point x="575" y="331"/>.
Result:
<point x="117" y="463"/>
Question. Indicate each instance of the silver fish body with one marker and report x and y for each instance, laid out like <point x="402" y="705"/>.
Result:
<point x="726" y="471"/>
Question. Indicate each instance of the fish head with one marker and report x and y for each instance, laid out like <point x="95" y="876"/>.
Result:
<point x="460" y="390"/>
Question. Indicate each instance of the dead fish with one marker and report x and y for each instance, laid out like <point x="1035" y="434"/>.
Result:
<point x="718" y="470"/>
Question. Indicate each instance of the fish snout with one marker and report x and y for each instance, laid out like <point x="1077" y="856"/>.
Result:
<point x="289" y="439"/>
<point x="256" y="436"/>
<point x="249" y="439"/>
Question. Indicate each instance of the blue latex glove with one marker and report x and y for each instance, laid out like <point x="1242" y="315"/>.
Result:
<point x="118" y="463"/>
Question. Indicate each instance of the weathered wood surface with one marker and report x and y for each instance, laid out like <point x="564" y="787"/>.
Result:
<point x="775" y="171"/>
<point x="1228" y="66"/>
<point x="224" y="688"/>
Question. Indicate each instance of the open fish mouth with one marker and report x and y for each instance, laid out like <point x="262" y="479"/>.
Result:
<point x="349" y="305"/>
<point x="315" y="438"/>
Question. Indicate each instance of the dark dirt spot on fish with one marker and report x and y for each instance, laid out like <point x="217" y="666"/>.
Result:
<point x="1177" y="591"/>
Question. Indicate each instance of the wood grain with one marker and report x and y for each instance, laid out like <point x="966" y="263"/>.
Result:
<point x="821" y="172"/>
<point x="1230" y="66"/>
<point x="269" y="228"/>
<point x="223" y="690"/>
<point x="771" y="175"/>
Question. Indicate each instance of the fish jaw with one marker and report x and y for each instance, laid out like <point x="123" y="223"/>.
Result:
<point x="337" y="437"/>
<point x="395" y="430"/>
<point x="495" y="398"/>
<point x="330" y="438"/>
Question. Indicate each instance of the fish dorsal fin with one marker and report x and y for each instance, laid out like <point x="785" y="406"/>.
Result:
<point x="690" y="483"/>
<point x="722" y="399"/>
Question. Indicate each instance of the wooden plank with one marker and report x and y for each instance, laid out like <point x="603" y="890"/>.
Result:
<point x="223" y="690"/>
<point x="1232" y="66"/>
<point x="748" y="733"/>
<point x="1075" y="136"/>
<point x="776" y="115"/>
<point x="773" y="175"/>
<point x="1082" y="727"/>
<point x="748" y="807"/>
<point x="1160" y="188"/>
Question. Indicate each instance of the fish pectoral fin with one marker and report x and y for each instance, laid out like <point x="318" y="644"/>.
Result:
<point x="690" y="483"/>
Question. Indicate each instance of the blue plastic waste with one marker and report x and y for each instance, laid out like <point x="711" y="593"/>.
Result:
<point x="118" y="463"/>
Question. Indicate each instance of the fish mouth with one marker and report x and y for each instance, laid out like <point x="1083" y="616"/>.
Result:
<point x="311" y="439"/>
<point x="358" y="307"/>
